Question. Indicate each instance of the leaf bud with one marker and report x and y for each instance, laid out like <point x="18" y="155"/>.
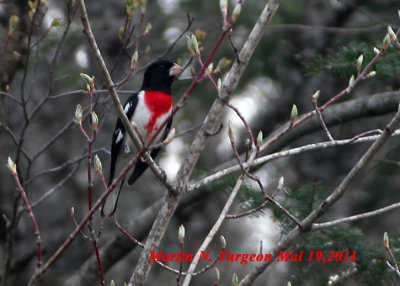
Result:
<point x="223" y="4"/>
<point x="217" y="275"/>
<point x="351" y="80"/>
<point x="247" y="144"/>
<point x="78" y="113"/>
<point x="97" y="165"/>
<point x="195" y="44"/>
<point x="386" y="41"/>
<point x="95" y="121"/>
<point x="13" y="24"/>
<point x="134" y="60"/>
<point x="259" y="139"/>
<point x="386" y="240"/>
<point x="392" y="34"/>
<point x="55" y="23"/>
<point x="231" y="131"/>
<point x="293" y="113"/>
<point x="189" y="44"/>
<point x="315" y="96"/>
<point x="181" y="234"/>
<point x="281" y="182"/>
<point x="371" y="74"/>
<point x="236" y="12"/>
<point x="148" y="28"/>
<point x="359" y="62"/>
<point x="11" y="166"/>
<point x="235" y="280"/>
<point x="170" y="136"/>
<point x="223" y="241"/>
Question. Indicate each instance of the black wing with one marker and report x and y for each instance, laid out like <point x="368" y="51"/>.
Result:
<point x="141" y="166"/>
<point x="119" y="134"/>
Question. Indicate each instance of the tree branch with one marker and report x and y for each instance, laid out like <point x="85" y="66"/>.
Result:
<point x="170" y="202"/>
<point x="318" y="226"/>
<point x="328" y="202"/>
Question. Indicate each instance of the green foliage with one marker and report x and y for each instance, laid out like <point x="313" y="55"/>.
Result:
<point x="342" y="64"/>
<point x="248" y="197"/>
<point x="369" y="266"/>
<point x="300" y="203"/>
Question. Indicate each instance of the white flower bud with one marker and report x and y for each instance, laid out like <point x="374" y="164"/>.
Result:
<point x="95" y="121"/>
<point x="11" y="165"/>
<point x="359" y="62"/>
<point x="386" y="240"/>
<point x="181" y="234"/>
<point x="236" y="12"/>
<point x="281" y="182"/>
<point x="223" y="241"/>
<point x="97" y="165"/>
<point x="259" y="139"/>
<point x="231" y="131"/>
<point x="351" y="80"/>
<point x="294" y="113"/>
<point x="235" y="280"/>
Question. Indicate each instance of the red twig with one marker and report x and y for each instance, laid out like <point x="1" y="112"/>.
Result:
<point x="360" y="76"/>
<point x="127" y="234"/>
<point x="256" y="179"/>
<point x="209" y="75"/>
<point x="395" y="268"/>
<point x="99" y="262"/>
<point x="32" y="216"/>
<point x="178" y="278"/>
<point x="84" y="221"/>
<point x="256" y="209"/>
<point x="321" y="119"/>
<point x="246" y="124"/>
<point x="90" y="183"/>
<point x="90" y="139"/>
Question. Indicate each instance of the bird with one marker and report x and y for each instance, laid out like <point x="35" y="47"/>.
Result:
<point x="147" y="109"/>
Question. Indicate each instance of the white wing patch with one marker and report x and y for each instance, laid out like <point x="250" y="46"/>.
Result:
<point x="120" y="137"/>
<point x="127" y="107"/>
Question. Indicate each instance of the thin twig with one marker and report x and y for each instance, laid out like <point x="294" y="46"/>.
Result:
<point x="395" y="268"/>
<point x="327" y="203"/>
<point x="282" y="154"/>
<point x="245" y="123"/>
<point x="171" y="201"/>
<point x="256" y="209"/>
<point x="32" y="216"/>
<point x="318" y="226"/>
<point x="361" y="76"/>
<point x="213" y="230"/>
<point x="321" y="119"/>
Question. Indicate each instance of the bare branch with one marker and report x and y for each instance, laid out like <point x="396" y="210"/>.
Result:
<point x="211" y="121"/>
<point x="328" y="202"/>
<point x="285" y="153"/>
<point x="213" y="230"/>
<point x="318" y="226"/>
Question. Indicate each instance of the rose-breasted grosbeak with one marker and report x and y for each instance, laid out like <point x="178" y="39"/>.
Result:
<point x="148" y="109"/>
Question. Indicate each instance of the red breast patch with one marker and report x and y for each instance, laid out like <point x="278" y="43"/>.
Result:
<point x="158" y="103"/>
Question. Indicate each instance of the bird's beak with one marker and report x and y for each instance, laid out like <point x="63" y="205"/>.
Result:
<point x="175" y="70"/>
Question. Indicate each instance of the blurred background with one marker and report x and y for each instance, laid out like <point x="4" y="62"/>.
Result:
<point x="310" y="45"/>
